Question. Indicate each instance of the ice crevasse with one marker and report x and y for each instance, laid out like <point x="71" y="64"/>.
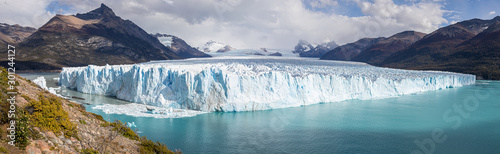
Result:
<point x="230" y="85"/>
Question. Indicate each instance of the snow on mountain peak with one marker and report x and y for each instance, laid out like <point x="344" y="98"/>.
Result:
<point x="166" y="40"/>
<point x="306" y="49"/>
<point x="213" y="46"/>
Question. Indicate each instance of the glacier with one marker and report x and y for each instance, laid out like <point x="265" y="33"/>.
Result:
<point x="230" y="84"/>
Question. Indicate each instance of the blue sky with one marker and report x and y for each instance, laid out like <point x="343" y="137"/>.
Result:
<point x="261" y="23"/>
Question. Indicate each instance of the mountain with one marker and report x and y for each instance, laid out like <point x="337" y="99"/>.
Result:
<point x="179" y="46"/>
<point x="98" y="37"/>
<point x="350" y="50"/>
<point x="382" y="49"/>
<point x="302" y="46"/>
<point x="14" y="34"/>
<point x="213" y="46"/>
<point x="306" y="49"/>
<point x="470" y="46"/>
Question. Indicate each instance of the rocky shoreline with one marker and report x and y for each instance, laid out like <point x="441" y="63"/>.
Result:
<point x="93" y="133"/>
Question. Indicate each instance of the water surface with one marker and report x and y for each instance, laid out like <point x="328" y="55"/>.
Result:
<point x="467" y="118"/>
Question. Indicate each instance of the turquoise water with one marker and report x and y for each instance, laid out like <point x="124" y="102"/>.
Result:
<point x="456" y="120"/>
<point x="389" y="125"/>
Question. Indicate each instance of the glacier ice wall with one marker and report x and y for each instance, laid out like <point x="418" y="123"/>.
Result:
<point x="232" y="84"/>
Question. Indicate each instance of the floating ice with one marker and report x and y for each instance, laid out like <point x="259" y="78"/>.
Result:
<point x="139" y="110"/>
<point x="246" y="84"/>
<point x="40" y="81"/>
<point x="43" y="84"/>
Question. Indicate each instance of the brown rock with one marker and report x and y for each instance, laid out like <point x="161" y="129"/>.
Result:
<point x="44" y="147"/>
<point x="50" y="135"/>
<point x="33" y="150"/>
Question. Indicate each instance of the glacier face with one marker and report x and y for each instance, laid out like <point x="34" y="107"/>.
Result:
<point x="247" y="84"/>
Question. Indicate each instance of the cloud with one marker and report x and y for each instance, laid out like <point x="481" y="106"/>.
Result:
<point x="271" y="24"/>
<point x="26" y="12"/>
<point x="492" y="13"/>
<point x="323" y="3"/>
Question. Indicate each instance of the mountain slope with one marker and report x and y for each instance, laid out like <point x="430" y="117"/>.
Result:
<point x="319" y="50"/>
<point x="350" y="50"/>
<point x="14" y="34"/>
<point x="179" y="46"/>
<point x="302" y="46"/>
<point x="437" y="44"/>
<point x="98" y="37"/>
<point x="377" y="52"/>
<point x="469" y="46"/>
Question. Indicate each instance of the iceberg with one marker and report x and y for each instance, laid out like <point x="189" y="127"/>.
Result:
<point x="40" y="81"/>
<point x="230" y="84"/>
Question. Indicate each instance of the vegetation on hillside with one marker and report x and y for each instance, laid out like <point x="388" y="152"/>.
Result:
<point x="47" y="113"/>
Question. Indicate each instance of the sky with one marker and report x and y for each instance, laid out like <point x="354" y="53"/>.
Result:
<point x="277" y="24"/>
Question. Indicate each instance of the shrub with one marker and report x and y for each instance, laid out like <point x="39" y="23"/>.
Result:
<point x="149" y="147"/>
<point x="4" y="104"/>
<point x="90" y="151"/>
<point x="98" y="117"/>
<point x="22" y="130"/>
<point x="82" y="121"/>
<point x="3" y="150"/>
<point x="48" y="114"/>
<point x="122" y="129"/>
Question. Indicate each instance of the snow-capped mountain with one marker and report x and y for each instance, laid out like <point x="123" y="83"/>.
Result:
<point x="179" y="46"/>
<point x="306" y="49"/>
<point x="302" y="46"/>
<point x="213" y="46"/>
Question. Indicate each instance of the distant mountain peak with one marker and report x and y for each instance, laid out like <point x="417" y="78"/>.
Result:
<point x="214" y="46"/>
<point x="497" y="18"/>
<point x="179" y="46"/>
<point x="101" y="12"/>
<point x="306" y="49"/>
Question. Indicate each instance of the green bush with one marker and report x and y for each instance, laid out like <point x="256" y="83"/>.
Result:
<point x="48" y="114"/>
<point x="3" y="150"/>
<point x="149" y="147"/>
<point x="122" y="129"/>
<point x="22" y="130"/>
<point x="82" y="121"/>
<point x="98" y="117"/>
<point x="90" y="151"/>
<point x="4" y="104"/>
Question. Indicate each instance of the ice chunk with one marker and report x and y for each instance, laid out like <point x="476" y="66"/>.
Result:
<point x="247" y="84"/>
<point x="41" y="82"/>
<point x="139" y="110"/>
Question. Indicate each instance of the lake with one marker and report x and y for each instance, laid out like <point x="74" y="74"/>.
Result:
<point x="456" y="120"/>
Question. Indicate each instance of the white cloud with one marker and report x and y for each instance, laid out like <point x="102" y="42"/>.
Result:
<point x="272" y="24"/>
<point x="25" y="13"/>
<point x="492" y="13"/>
